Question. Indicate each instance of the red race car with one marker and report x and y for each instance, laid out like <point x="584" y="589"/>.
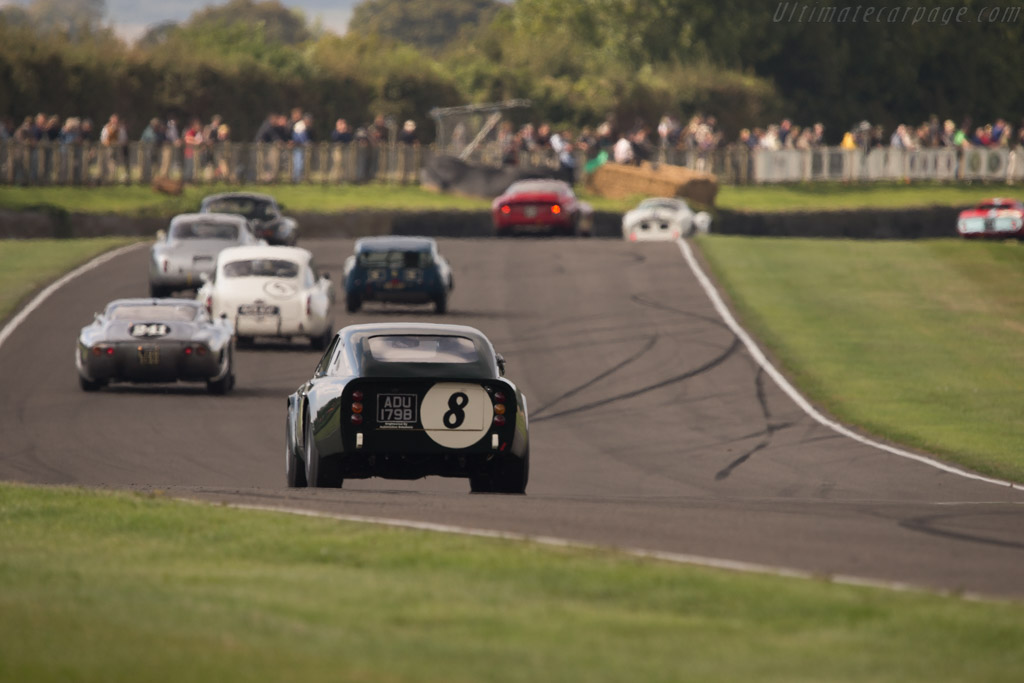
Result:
<point x="996" y="217"/>
<point x="541" y="206"/>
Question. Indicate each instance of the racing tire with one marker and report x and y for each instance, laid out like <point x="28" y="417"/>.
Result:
<point x="294" y="472"/>
<point x="319" y="473"/>
<point x="90" y="384"/>
<point x="441" y="303"/>
<point x="352" y="303"/>
<point x="244" y="342"/>
<point x="322" y="341"/>
<point x="158" y="292"/>
<point x="505" y="475"/>
<point x="222" y="386"/>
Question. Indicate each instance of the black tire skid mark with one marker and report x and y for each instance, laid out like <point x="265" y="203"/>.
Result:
<point x="689" y="374"/>
<point x="929" y="525"/>
<point x="651" y="341"/>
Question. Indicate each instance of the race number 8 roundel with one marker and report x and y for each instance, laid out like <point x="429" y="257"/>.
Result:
<point x="455" y="415"/>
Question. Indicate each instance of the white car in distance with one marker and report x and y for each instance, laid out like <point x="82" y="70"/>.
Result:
<point x="270" y="291"/>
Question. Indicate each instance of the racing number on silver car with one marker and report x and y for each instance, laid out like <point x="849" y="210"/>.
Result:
<point x="456" y="414"/>
<point x="148" y="330"/>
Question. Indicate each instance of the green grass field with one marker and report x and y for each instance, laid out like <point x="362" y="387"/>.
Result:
<point x="141" y="200"/>
<point x="918" y="341"/>
<point x="98" y="587"/>
<point x="30" y="265"/>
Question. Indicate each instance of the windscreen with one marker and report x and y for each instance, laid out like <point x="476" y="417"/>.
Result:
<point x="204" y="231"/>
<point x="261" y="268"/>
<point x="394" y="259"/>
<point x="176" y="312"/>
<point x="536" y="186"/>
<point x="660" y="204"/>
<point x="422" y="349"/>
<point x="250" y="208"/>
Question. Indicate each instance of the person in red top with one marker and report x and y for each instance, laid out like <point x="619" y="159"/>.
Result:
<point x="193" y="140"/>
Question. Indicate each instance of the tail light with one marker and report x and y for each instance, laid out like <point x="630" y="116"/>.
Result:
<point x="103" y="350"/>
<point x="506" y="209"/>
<point x="556" y="209"/>
<point x="357" y="407"/>
<point x="197" y="350"/>
<point x="209" y="304"/>
<point x="499" y="408"/>
<point x="632" y="237"/>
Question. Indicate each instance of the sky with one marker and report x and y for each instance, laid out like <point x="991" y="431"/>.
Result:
<point x="131" y="18"/>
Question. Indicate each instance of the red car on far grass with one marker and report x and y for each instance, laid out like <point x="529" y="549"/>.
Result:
<point x="542" y="206"/>
<point x="996" y="217"/>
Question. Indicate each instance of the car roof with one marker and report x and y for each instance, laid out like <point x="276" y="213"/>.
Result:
<point x="239" y="195"/>
<point x="263" y="251"/>
<point x="438" y="329"/>
<point x="211" y="216"/>
<point x="394" y="243"/>
<point x="540" y="183"/>
<point x="154" y="302"/>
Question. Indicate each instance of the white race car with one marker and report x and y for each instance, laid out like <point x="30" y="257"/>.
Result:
<point x="268" y="291"/>
<point x="663" y="218"/>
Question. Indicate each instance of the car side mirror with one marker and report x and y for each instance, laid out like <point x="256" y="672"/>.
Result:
<point x="161" y="235"/>
<point x="501" y="364"/>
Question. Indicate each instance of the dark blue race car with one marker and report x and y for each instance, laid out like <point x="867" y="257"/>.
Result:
<point x="403" y="270"/>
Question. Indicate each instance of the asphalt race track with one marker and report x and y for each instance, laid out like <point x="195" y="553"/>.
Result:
<point x="651" y="425"/>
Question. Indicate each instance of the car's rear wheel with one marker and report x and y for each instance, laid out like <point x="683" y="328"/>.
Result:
<point x="321" y="341"/>
<point x="219" y="387"/>
<point x="441" y="303"/>
<point x="294" y="472"/>
<point x="319" y="473"/>
<point x="353" y="302"/>
<point x="506" y="474"/>
<point x="243" y="342"/>
<point x="90" y="384"/>
<point x="158" y="292"/>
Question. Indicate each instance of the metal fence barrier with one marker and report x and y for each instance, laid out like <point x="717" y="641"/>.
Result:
<point x="47" y="163"/>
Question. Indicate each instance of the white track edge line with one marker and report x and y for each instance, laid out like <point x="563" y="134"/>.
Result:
<point x="803" y="403"/>
<point x="664" y="556"/>
<point x="42" y="296"/>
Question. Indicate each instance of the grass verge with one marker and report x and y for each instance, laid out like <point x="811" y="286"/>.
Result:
<point x="103" y="587"/>
<point x="828" y="196"/>
<point x="141" y="200"/>
<point x="28" y="265"/>
<point x="918" y="342"/>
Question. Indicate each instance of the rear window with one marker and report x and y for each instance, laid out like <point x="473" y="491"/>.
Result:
<point x="151" y="312"/>
<point x="261" y="268"/>
<point x="204" y="231"/>
<point x="250" y="208"/>
<point x="423" y="349"/>
<point x="537" y="186"/>
<point x="394" y="259"/>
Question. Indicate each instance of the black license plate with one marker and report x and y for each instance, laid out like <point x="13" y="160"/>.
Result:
<point x="149" y="355"/>
<point x="397" y="410"/>
<point x="257" y="309"/>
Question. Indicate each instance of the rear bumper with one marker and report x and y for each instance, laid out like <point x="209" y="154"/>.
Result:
<point x="126" y="365"/>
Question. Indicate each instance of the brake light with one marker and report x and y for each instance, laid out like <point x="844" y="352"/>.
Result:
<point x="100" y="350"/>
<point x="357" y="419"/>
<point x="556" y="209"/>
<point x="499" y="408"/>
<point x="499" y="420"/>
<point x="356" y="407"/>
<point x="357" y="395"/>
<point x="188" y="350"/>
<point x="506" y="209"/>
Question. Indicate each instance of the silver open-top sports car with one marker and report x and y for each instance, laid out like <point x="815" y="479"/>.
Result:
<point x="156" y="340"/>
<point x="408" y="400"/>
<point x="188" y="249"/>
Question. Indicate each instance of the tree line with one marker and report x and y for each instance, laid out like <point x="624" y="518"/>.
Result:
<point x="580" y="62"/>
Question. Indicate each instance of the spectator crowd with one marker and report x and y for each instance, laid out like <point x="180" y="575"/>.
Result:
<point x="291" y="134"/>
